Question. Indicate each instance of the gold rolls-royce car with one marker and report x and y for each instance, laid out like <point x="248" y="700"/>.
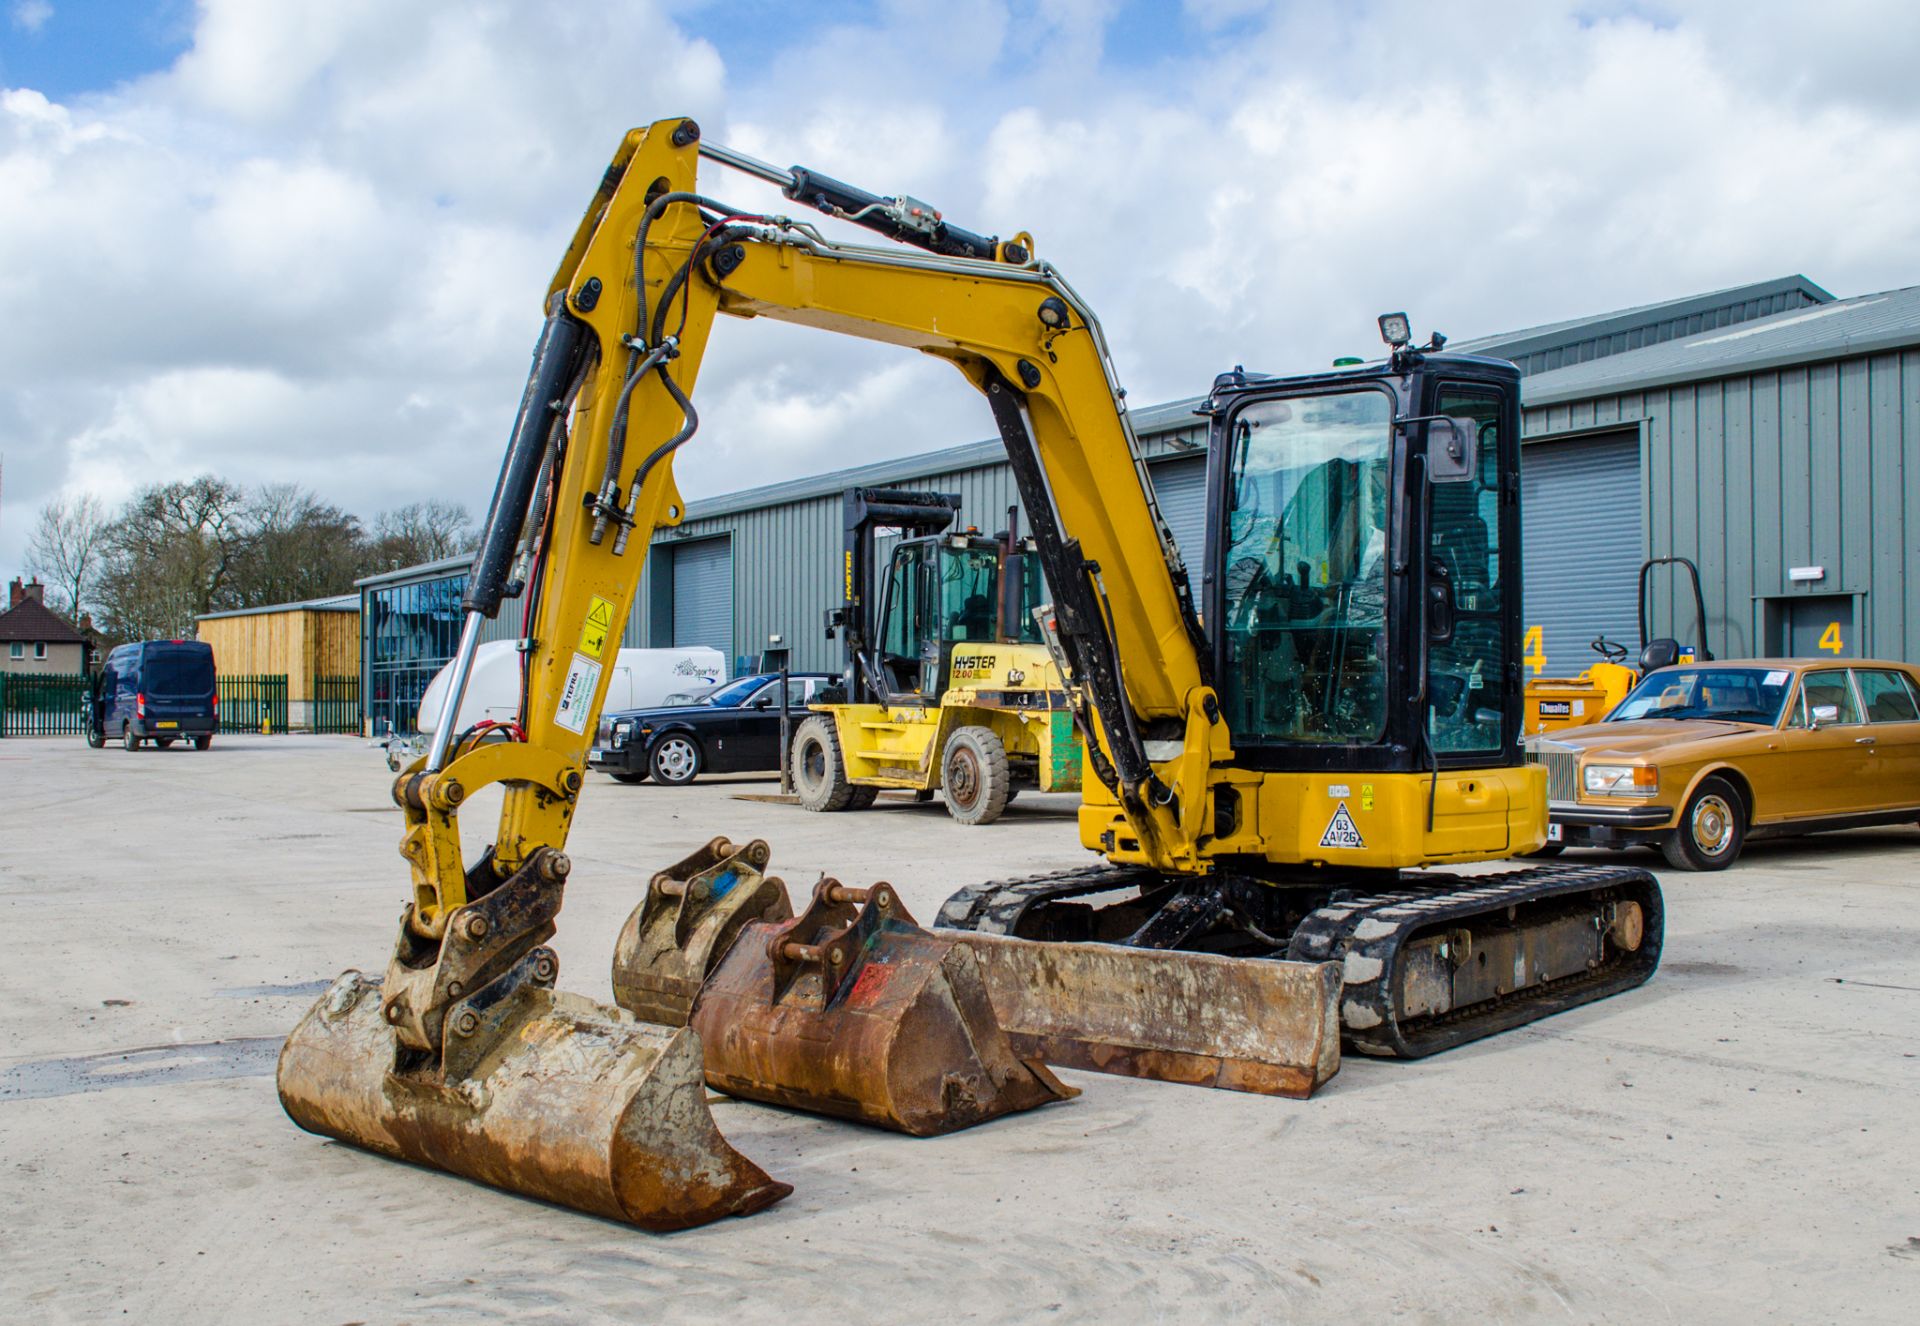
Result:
<point x="1701" y="757"/>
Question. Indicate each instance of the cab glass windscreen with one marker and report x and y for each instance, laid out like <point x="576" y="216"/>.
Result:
<point x="1305" y="572"/>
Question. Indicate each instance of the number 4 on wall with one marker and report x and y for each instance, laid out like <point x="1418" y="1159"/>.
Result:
<point x="1534" y="650"/>
<point x="1830" y="639"/>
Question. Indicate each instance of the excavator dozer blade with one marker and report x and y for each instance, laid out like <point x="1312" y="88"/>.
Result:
<point x="690" y="917"/>
<point x="864" y="1015"/>
<point x="570" y="1101"/>
<point x="1265" y="1026"/>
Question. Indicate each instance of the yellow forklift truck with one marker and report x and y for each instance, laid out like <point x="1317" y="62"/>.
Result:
<point x="948" y="686"/>
<point x="1557" y="702"/>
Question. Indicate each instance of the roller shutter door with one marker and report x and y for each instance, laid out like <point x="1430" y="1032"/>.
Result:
<point x="703" y="595"/>
<point x="1180" y="486"/>
<point x="1582" y="541"/>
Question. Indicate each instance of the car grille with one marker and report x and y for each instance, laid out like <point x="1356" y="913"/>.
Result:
<point x="1563" y="768"/>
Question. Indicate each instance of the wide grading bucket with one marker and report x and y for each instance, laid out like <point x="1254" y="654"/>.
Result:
<point x="692" y="913"/>
<point x="567" y="1100"/>
<point x="1265" y="1026"/>
<point x="851" y="1009"/>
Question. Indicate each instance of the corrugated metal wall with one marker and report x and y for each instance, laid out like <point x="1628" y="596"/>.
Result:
<point x="786" y="557"/>
<point x="1750" y="476"/>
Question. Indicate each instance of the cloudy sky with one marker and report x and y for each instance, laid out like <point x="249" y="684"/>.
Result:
<point x="307" y="239"/>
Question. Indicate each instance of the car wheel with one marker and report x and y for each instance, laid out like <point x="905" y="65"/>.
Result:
<point x="1711" y="831"/>
<point x="201" y="743"/>
<point x="128" y="739"/>
<point x="819" y="770"/>
<point x="675" y="761"/>
<point x="974" y="775"/>
<point x="96" y="738"/>
<point x="628" y="777"/>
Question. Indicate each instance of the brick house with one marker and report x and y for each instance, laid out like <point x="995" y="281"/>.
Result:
<point x="34" y="638"/>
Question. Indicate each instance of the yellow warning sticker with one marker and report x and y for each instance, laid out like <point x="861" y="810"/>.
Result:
<point x="593" y="636"/>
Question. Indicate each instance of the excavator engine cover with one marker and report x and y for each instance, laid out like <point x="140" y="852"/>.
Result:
<point x="692" y="914"/>
<point x="851" y="1009"/>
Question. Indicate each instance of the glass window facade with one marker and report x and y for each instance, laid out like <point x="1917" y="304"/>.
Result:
<point x="410" y="633"/>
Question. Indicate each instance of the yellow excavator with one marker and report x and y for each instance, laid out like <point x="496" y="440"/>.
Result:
<point x="1261" y="790"/>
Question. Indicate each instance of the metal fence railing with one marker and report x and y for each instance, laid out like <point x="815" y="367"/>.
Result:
<point x="336" y="704"/>
<point x="32" y="705"/>
<point x="253" y="704"/>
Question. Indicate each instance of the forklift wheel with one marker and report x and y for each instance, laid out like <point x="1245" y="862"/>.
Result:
<point x="974" y="775"/>
<point x="819" y="771"/>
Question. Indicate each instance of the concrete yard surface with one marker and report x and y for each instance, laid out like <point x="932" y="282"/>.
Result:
<point x="1733" y="1142"/>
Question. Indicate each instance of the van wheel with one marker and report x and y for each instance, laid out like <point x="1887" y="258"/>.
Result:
<point x="201" y="743"/>
<point x="819" y="770"/>
<point x="128" y="741"/>
<point x="96" y="738"/>
<point x="974" y="775"/>
<point x="1712" y="829"/>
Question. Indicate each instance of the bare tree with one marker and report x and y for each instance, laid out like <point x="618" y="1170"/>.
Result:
<point x="421" y="532"/>
<point x="68" y="549"/>
<point x="171" y="555"/>
<point x="296" y="547"/>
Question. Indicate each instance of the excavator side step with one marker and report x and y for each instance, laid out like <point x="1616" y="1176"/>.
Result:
<point x="1457" y="958"/>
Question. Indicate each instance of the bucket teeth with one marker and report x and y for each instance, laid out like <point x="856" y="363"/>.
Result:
<point x="691" y="915"/>
<point x="852" y="1009"/>
<point x="561" y="1099"/>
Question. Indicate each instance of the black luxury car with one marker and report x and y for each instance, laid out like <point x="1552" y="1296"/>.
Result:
<point x="734" y="728"/>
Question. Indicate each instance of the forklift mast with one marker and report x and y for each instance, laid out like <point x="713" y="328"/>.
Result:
<point x="867" y="511"/>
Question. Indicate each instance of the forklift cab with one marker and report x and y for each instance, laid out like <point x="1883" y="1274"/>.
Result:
<point x="947" y="591"/>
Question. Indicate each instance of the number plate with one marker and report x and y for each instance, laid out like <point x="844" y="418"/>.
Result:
<point x="1554" y="834"/>
<point x="596" y="755"/>
<point x="168" y="723"/>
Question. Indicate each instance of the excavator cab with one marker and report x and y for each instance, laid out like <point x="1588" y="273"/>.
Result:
<point x="1363" y="577"/>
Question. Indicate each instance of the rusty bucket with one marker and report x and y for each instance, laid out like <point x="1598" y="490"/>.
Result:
<point x="690" y="917"/>
<point x="851" y="1009"/>
<point x="558" y="1098"/>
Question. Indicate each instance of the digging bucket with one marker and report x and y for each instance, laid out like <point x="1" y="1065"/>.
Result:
<point x="851" y="1009"/>
<point x="1265" y="1026"/>
<point x="541" y="1093"/>
<point x="690" y="917"/>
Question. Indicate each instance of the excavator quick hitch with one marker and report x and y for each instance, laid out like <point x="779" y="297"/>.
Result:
<point x="852" y="1009"/>
<point x="692" y="914"/>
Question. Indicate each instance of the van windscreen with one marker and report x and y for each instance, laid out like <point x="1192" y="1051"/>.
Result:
<point x="178" y="670"/>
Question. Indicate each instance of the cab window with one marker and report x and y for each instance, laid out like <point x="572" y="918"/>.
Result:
<point x="1885" y="696"/>
<point x="1829" y="690"/>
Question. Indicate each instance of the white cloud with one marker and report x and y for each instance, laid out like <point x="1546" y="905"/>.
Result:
<point x="31" y="15"/>
<point x="315" y="248"/>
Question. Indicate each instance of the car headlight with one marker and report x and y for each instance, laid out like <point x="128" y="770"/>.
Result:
<point x="622" y="731"/>
<point x="1621" y="780"/>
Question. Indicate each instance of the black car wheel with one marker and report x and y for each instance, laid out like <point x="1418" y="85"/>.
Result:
<point x="627" y="777"/>
<point x="675" y="760"/>
<point x="128" y="739"/>
<point x="1712" y="829"/>
<point x="96" y="738"/>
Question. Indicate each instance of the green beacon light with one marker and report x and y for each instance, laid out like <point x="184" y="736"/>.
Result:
<point x="1348" y="361"/>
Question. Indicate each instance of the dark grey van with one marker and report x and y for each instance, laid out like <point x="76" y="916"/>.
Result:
<point x="161" y="691"/>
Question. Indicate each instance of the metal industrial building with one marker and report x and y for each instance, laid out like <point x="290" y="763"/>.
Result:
<point x="1769" y="432"/>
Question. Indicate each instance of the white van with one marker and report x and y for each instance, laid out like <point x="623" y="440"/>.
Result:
<point x="641" y="678"/>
